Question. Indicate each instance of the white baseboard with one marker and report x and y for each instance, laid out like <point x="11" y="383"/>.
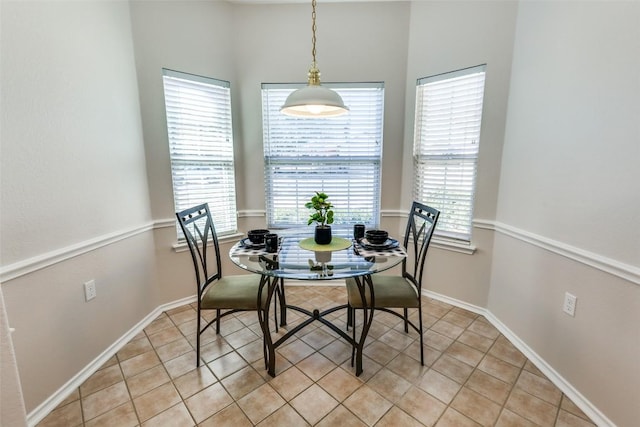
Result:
<point x="38" y="414"/>
<point x="576" y="397"/>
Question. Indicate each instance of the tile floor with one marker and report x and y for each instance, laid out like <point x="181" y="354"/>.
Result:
<point x="472" y="376"/>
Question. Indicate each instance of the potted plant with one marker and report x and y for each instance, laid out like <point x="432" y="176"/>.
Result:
<point x="322" y="216"/>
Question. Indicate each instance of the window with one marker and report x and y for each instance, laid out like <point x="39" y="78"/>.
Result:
<point x="340" y="156"/>
<point x="201" y="145"/>
<point x="445" y="151"/>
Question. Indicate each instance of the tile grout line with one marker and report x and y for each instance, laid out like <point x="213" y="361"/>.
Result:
<point x="386" y="326"/>
<point x="182" y="400"/>
<point x="126" y="384"/>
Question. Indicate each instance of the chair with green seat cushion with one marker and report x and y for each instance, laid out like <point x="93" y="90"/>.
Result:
<point x="215" y="291"/>
<point x="401" y="291"/>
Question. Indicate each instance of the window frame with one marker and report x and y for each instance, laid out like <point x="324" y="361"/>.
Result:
<point x="457" y="157"/>
<point x="200" y="139"/>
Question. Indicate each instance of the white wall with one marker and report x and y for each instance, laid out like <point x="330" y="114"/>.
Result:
<point x="73" y="177"/>
<point x="70" y="126"/>
<point x="574" y="127"/>
<point x="570" y="190"/>
<point x="194" y="37"/>
<point x="248" y="45"/>
<point x="189" y="36"/>
<point x="355" y="42"/>
<point x="447" y="36"/>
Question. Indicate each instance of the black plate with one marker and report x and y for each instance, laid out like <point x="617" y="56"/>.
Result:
<point x="389" y="244"/>
<point x="248" y="244"/>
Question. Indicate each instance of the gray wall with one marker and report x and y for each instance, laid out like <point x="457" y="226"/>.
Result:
<point x="83" y="139"/>
<point x="355" y="42"/>
<point x="74" y="194"/>
<point x="194" y="37"/>
<point x="569" y="201"/>
<point x="447" y="36"/>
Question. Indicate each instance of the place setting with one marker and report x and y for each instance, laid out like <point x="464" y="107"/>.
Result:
<point x="258" y="242"/>
<point x="375" y="243"/>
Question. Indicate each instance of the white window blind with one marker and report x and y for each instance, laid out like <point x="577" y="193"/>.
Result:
<point x="201" y="146"/>
<point x="340" y="156"/>
<point x="447" y="137"/>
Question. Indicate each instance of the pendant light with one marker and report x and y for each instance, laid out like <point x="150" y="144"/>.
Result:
<point x="314" y="100"/>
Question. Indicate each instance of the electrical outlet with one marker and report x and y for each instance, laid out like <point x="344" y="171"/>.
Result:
<point x="90" y="290"/>
<point x="569" y="306"/>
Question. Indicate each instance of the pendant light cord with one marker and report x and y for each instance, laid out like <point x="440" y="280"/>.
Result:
<point x="314" y="73"/>
<point x="313" y="31"/>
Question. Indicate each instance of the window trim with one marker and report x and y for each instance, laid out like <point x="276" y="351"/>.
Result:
<point x="206" y="159"/>
<point x="454" y="241"/>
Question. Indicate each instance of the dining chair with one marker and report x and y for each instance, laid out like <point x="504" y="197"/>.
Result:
<point x="400" y="291"/>
<point x="224" y="294"/>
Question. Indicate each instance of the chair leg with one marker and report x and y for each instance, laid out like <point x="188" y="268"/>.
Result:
<point x="283" y="304"/>
<point x="349" y="316"/>
<point x="198" y="340"/>
<point x="275" y="309"/>
<point x="421" y="338"/>
<point x="264" y="345"/>
<point x="217" y="321"/>
<point x="406" y="321"/>
<point x="353" y="329"/>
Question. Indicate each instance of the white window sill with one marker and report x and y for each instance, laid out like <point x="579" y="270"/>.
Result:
<point x="453" y="245"/>
<point x="181" y="246"/>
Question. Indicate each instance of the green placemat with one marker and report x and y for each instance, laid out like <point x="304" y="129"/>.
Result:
<point x="337" y="244"/>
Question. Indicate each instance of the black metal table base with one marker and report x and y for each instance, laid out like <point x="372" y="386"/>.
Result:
<point x="274" y="285"/>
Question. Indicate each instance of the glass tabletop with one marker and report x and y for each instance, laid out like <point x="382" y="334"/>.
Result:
<point x="293" y="262"/>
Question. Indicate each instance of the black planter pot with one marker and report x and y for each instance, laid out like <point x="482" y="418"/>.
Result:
<point x="323" y="235"/>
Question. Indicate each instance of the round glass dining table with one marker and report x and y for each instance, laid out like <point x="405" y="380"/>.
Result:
<point x="300" y="258"/>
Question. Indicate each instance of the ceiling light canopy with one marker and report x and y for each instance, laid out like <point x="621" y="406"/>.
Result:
<point x="314" y="100"/>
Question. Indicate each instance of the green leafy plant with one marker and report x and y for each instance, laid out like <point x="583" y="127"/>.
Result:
<point x="323" y="214"/>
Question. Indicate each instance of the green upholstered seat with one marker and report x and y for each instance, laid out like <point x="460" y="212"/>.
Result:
<point x="390" y="292"/>
<point x="233" y="292"/>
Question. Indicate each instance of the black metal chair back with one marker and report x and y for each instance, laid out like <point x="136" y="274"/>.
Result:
<point x="226" y="295"/>
<point x="417" y="237"/>
<point x="200" y="233"/>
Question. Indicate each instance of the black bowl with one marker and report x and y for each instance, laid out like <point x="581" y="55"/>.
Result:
<point x="376" y="237"/>
<point x="257" y="236"/>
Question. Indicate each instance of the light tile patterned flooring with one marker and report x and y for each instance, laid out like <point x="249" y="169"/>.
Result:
<point x="472" y="376"/>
